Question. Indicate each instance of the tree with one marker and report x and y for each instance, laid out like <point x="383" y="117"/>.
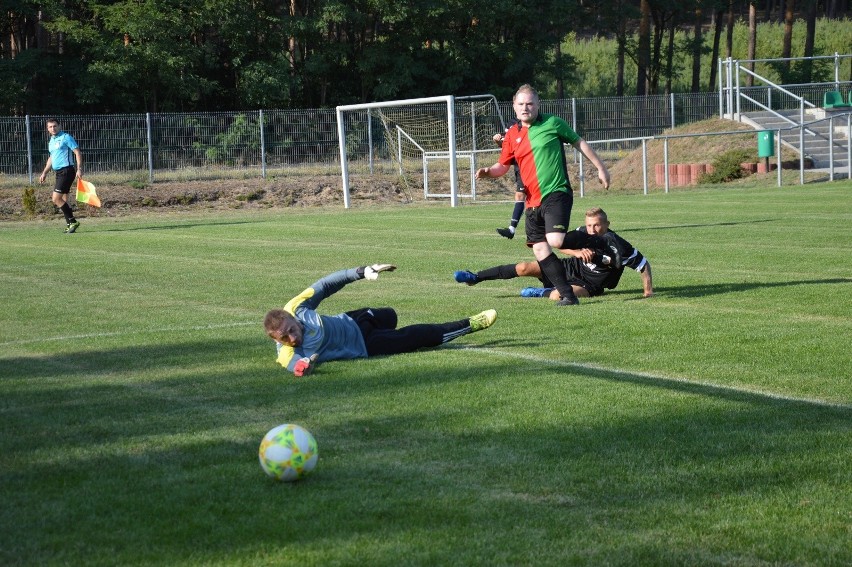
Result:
<point x="612" y="17"/>
<point x="643" y="52"/>
<point x="729" y="35"/>
<point x="752" y="40"/>
<point x="697" y="46"/>
<point x="810" y="34"/>
<point x="718" y="14"/>
<point x="787" y="45"/>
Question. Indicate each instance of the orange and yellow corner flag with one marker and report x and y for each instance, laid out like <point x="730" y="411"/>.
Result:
<point x="86" y="193"/>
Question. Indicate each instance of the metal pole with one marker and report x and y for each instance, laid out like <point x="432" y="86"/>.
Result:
<point x="29" y="148"/>
<point x="150" y="148"/>
<point x="778" y="154"/>
<point x="849" y="146"/>
<point x="262" y="146"/>
<point x="472" y="177"/>
<point x="454" y="174"/>
<point x="473" y="152"/>
<point x="370" y="138"/>
<point x="644" y="166"/>
<point x="574" y="114"/>
<point x="837" y="73"/>
<point x="666" y="161"/>
<point x="721" y="90"/>
<point x="672" y="107"/>
<point x="801" y="154"/>
<point x="473" y="129"/>
<point x="737" y="82"/>
<point x="399" y="150"/>
<point x="344" y="165"/>
<point x="831" y="148"/>
<point x="730" y="75"/>
<point x="425" y="176"/>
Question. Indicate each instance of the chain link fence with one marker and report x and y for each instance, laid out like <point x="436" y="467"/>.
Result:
<point x="165" y="147"/>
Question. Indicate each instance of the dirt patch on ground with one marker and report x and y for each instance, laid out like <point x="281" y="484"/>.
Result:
<point x="124" y="198"/>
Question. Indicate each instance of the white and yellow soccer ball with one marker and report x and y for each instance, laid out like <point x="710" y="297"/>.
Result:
<point x="288" y="452"/>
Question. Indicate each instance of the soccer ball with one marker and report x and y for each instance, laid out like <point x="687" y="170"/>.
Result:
<point x="288" y="452"/>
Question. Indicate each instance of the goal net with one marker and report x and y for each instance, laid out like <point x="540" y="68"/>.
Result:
<point x="435" y="141"/>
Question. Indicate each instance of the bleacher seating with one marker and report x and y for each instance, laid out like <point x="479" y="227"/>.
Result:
<point x="833" y="99"/>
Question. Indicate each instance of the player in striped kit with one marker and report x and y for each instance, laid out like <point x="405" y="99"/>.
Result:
<point x="535" y="144"/>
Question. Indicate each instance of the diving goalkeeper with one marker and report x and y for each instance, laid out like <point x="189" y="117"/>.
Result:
<point x="304" y="338"/>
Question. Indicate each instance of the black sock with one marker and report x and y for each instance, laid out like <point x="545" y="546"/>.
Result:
<point x="504" y="272"/>
<point x="554" y="270"/>
<point x="516" y="214"/>
<point x="455" y="329"/>
<point x="69" y="214"/>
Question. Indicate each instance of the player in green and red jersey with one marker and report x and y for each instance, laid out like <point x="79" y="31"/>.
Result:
<point x="535" y="144"/>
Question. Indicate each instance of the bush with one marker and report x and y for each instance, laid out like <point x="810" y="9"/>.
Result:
<point x="252" y="195"/>
<point x="727" y="167"/>
<point x="29" y="201"/>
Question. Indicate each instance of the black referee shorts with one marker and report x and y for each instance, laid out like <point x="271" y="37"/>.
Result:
<point x="64" y="179"/>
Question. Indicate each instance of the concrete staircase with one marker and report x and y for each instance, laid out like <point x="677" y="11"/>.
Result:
<point x="816" y="135"/>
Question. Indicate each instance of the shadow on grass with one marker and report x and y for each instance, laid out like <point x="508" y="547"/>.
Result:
<point x="702" y="225"/>
<point x="722" y="288"/>
<point x="690" y="291"/>
<point x="177" y="226"/>
<point x="674" y="384"/>
<point x="154" y="459"/>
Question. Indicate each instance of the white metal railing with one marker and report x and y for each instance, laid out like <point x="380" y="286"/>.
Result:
<point x="778" y="144"/>
<point x="731" y="92"/>
<point x="735" y="94"/>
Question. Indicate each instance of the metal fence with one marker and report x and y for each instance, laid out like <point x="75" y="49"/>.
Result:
<point x="259" y="143"/>
<point x="169" y="146"/>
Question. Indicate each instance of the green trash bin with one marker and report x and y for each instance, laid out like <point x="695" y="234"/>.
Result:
<point x="766" y="143"/>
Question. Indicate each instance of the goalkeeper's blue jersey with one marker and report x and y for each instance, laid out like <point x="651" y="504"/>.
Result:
<point x="331" y="337"/>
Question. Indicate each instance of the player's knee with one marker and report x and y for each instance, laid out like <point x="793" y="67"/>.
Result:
<point x="555" y="239"/>
<point x="528" y="269"/>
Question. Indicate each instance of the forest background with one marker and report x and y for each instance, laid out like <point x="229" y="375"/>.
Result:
<point x="103" y="56"/>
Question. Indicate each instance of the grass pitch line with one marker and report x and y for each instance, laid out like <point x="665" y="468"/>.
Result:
<point x="694" y="386"/>
<point x="133" y="332"/>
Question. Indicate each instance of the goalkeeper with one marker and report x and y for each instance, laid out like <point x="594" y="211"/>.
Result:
<point x="304" y="338"/>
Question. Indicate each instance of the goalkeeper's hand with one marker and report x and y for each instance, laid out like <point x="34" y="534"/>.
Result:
<point x="372" y="272"/>
<point x="303" y="367"/>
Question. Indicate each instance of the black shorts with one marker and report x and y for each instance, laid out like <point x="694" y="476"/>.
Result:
<point x="553" y="215"/>
<point x="574" y="275"/>
<point x="370" y="319"/>
<point x="64" y="180"/>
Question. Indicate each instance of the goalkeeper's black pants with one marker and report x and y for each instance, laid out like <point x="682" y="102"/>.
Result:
<point x="378" y="326"/>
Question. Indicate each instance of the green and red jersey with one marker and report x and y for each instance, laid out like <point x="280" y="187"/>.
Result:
<point x="538" y="152"/>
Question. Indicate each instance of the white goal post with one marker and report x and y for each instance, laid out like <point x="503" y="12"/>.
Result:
<point x="421" y="130"/>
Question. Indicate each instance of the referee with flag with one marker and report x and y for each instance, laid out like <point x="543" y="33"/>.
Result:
<point x="61" y="147"/>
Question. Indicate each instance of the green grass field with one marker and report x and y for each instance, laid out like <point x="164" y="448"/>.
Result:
<point x="708" y="425"/>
